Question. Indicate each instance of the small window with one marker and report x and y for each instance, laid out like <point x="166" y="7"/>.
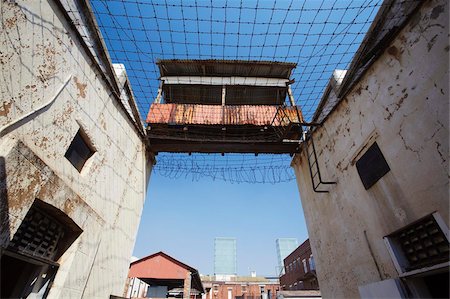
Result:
<point x="79" y="150"/>
<point x="305" y="267"/>
<point x="244" y="289"/>
<point x="372" y="166"/>
<point x="312" y="265"/>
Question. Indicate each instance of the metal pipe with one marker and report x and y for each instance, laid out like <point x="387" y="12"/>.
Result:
<point x="7" y="126"/>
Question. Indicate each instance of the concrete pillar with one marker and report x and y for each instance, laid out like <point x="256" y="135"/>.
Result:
<point x="127" y="287"/>
<point x="187" y="286"/>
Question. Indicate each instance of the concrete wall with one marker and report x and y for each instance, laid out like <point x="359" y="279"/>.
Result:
<point x="39" y="55"/>
<point x="401" y="103"/>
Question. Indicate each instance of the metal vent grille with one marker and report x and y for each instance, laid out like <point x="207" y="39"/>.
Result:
<point x="38" y="235"/>
<point x="423" y="244"/>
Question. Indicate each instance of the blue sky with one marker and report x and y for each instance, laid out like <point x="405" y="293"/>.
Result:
<point x="185" y="209"/>
<point x="182" y="217"/>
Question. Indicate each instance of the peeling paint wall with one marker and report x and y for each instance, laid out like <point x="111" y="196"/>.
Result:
<point x="402" y="103"/>
<point x="39" y="56"/>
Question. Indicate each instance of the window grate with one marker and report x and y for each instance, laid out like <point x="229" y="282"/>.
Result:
<point x="423" y="244"/>
<point x="38" y="235"/>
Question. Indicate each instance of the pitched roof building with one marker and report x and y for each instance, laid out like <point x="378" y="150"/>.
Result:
<point x="161" y="270"/>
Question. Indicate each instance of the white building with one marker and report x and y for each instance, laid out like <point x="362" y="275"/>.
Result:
<point x="73" y="159"/>
<point x="380" y="229"/>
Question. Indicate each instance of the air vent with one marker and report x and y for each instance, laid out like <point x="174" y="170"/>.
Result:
<point x="420" y="244"/>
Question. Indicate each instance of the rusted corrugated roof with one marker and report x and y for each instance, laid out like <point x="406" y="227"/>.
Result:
<point x="189" y="114"/>
<point x="243" y="68"/>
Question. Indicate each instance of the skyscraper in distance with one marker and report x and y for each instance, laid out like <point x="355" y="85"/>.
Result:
<point x="225" y="264"/>
<point x="284" y="247"/>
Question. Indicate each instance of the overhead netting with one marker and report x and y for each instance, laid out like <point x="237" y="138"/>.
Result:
<point x="319" y="36"/>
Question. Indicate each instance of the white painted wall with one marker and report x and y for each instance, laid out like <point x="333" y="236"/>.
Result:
<point x="38" y="52"/>
<point x="401" y="103"/>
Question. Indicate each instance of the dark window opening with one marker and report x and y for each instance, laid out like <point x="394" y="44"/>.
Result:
<point x="22" y="275"/>
<point x="432" y="284"/>
<point x="437" y="285"/>
<point x="372" y="166"/>
<point x="79" y="150"/>
<point x="28" y="264"/>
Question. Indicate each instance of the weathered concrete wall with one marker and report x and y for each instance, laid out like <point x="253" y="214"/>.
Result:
<point x="401" y="103"/>
<point x="38" y="53"/>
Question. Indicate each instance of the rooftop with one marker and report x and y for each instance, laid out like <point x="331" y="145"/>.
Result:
<point x="225" y="68"/>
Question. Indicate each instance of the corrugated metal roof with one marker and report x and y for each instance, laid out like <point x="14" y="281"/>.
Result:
<point x="212" y="67"/>
<point x="258" y="115"/>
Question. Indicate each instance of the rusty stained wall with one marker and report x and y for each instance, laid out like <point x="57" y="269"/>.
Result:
<point x="38" y="52"/>
<point x="402" y="104"/>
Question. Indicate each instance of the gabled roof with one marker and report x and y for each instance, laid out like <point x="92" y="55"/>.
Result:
<point x="160" y="253"/>
<point x="153" y="268"/>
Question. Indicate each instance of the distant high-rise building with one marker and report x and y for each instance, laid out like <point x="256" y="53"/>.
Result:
<point x="284" y="247"/>
<point x="225" y="257"/>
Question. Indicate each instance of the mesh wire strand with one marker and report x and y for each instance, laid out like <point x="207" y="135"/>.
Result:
<point x="319" y="36"/>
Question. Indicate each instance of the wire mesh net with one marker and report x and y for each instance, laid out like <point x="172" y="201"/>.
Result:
<point x="319" y="36"/>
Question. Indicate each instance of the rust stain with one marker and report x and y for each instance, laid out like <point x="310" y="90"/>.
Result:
<point x="48" y="69"/>
<point x="43" y="143"/>
<point x="61" y="118"/>
<point x="9" y="23"/>
<point x="393" y="51"/>
<point x="5" y="108"/>
<point x="435" y="13"/>
<point x="19" y="16"/>
<point x="81" y="87"/>
<point x="20" y="195"/>
<point x="217" y="114"/>
<point x="5" y="57"/>
<point x="68" y="207"/>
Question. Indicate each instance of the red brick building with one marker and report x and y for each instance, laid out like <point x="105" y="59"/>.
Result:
<point x="161" y="276"/>
<point x="240" y="288"/>
<point x="300" y="270"/>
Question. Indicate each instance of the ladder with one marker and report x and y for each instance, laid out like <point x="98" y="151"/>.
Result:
<point x="314" y="170"/>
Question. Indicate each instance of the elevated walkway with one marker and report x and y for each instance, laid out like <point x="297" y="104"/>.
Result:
<point x="217" y="106"/>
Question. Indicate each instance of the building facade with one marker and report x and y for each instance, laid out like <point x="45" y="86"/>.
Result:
<point x="240" y="288"/>
<point x="225" y="259"/>
<point x="74" y="164"/>
<point x="284" y="247"/>
<point x="300" y="270"/>
<point x="381" y="228"/>
<point x="162" y="276"/>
